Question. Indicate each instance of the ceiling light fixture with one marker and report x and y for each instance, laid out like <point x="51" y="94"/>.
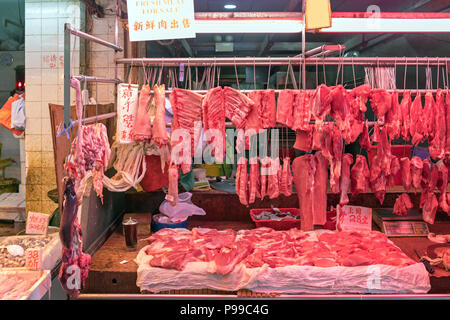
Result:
<point x="230" y="6"/>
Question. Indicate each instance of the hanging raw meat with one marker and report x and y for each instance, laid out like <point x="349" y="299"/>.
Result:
<point x="213" y="110"/>
<point x="187" y="115"/>
<point x="380" y="101"/>
<point x="429" y="116"/>
<point x="237" y="106"/>
<point x="254" y="116"/>
<point x="395" y="168"/>
<point x="347" y="160"/>
<point x="336" y="160"/>
<point x="442" y="185"/>
<point x="364" y="139"/>
<point x="71" y="239"/>
<point x="254" y="180"/>
<point x="405" y="167"/>
<point x="304" y="168"/>
<point x="393" y="118"/>
<point x="172" y="195"/>
<point x="439" y="128"/>
<point x="359" y="176"/>
<point x="319" y="196"/>
<point x="360" y="96"/>
<point x="321" y="102"/>
<point x="302" y="111"/>
<point x="416" y="171"/>
<point x="268" y="109"/>
<point x="402" y="205"/>
<point x="357" y="100"/>
<point x="447" y="115"/>
<point x="417" y="126"/>
<point x="303" y="140"/>
<point x="405" y="118"/>
<point x="273" y="179"/>
<point x="286" y="178"/>
<point x="340" y="110"/>
<point x="242" y="181"/>
<point x="142" y="127"/>
<point x="426" y="174"/>
<point x="429" y="205"/>
<point x="159" y="130"/>
<point x="285" y="106"/>
<point x="265" y="167"/>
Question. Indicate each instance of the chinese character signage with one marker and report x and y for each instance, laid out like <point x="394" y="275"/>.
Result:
<point x="160" y="19"/>
<point x="37" y="223"/>
<point x="127" y="103"/>
<point x="350" y="218"/>
<point x="33" y="258"/>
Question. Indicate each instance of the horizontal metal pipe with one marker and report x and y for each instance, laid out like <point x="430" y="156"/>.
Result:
<point x="97" y="79"/>
<point x="92" y="38"/>
<point x="279" y="297"/>
<point x="265" y="61"/>
<point x="231" y="125"/>
<point x="277" y="91"/>
<point x="322" y="49"/>
<point x="96" y="118"/>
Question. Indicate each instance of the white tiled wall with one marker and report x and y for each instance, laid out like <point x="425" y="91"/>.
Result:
<point x="44" y="76"/>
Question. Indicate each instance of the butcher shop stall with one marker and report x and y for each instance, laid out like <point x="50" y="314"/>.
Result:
<point x="245" y="149"/>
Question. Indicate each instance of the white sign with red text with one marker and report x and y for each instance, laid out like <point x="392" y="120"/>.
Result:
<point x="33" y="258"/>
<point x="353" y="218"/>
<point x="37" y="223"/>
<point x="127" y="104"/>
<point x="160" y="19"/>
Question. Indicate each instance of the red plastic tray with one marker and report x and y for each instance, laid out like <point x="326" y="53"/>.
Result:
<point x="284" y="224"/>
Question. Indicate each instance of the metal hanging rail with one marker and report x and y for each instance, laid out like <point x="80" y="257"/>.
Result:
<point x="265" y="61"/>
<point x="87" y="36"/>
<point x="97" y="79"/>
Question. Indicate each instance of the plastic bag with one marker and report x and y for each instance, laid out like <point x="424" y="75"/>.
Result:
<point x="183" y="209"/>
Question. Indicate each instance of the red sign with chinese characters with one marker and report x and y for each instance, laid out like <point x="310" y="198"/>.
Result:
<point x="351" y="218"/>
<point x="160" y="20"/>
<point x="33" y="258"/>
<point x="37" y="223"/>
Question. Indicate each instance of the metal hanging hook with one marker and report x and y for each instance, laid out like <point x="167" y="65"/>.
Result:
<point x="268" y="74"/>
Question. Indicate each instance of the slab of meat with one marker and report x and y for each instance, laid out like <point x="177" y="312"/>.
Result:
<point x="286" y="178"/>
<point x="429" y="116"/>
<point x="438" y="128"/>
<point x="405" y="167"/>
<point x="242" y="181"/>
<point x="364" y="139"/>
<point x="416" y="171"/>
<point x="172" y="195"/>
<point x="393" y="118"/>
<point x="402" y="205"/>
<point x="303" y="140"/>
<point x="340" y="110"/>
<point x="395" y="168"/>
<point x="447" y="115"/>
<point x="237" y="107"/>
<point x="319" y="197"/>
<point x="254" y="180"/>
<point x="405" y="119"/>
<point x="268" y="108"/>
<point x="142" y="127"/>
<point x="73" y="257"/>
<point x="442" y="185"/>
<point x="304" y="168"/>
<point x="159" y="130"/>
<point x="429" y="205"/>
<point x="302" y="111"/>
<point x="273" y="179"/>
<point x="213" y="110"/>
<point x="265" y="167"/>
<point x="417" y="125"/>
<point x="187" y="114"/>
<point x="380" y="101"/>
<point x="321" y="102"/>
<point x="377" y="179"/>
<point x="359" y="176"/>
<point x="347" y="160"/>
<point x="336" y="160"/>
<point x="285" y="107"/>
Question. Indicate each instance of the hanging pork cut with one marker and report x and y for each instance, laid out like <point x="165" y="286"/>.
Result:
<point x="405" y="118"/>
<point x="417" y="125"/>
<point x="142" y="126"/>
<point x="395" y="168"/>
<point x="364" y="140"/>
<point x="336" y="159"/>
<point x="172" y="195"/>
<point x="416" y="172"/>
<point x="303" y="140"/>
<point x="159" y="130"/>
<point x="321" y="102"/>
<point x="402" y="205"/>
<point x="264" y="173"/>
<point x="380" y="101"/>
<point x="393" y="118"/>
<point x="359" y="176"/>
<point x="439" y="128"/>
<point x="262" y="114"/>
<point x="447" y="120"/>
<point x="187" y="115"/>
<point x="286" y="178"/>
<point x="347" y="160"/>
<point x="285" y="106"/>
<point x="429" y="205"/>
<point x="442" y="185"/>
<point x="302" y="111"/>
<point x="340" y="111"/>
<point x="237" y="106"/>
<point x="405" y="167"/>
<point x="213" y="110"/>
<point x="304" y="168"/>
<point x="241" y="182"/>
<point x="428" y="117"/>
<point x="357" y="100"/>
<point x="254" y="188"/>
<point x="273" y="179"/>
<point x="319" y="195"/>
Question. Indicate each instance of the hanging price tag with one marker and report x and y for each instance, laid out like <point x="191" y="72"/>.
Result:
<point x="33" y="258"/>
<point x="37" y="223"/>
<point x="352" y="218"/>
